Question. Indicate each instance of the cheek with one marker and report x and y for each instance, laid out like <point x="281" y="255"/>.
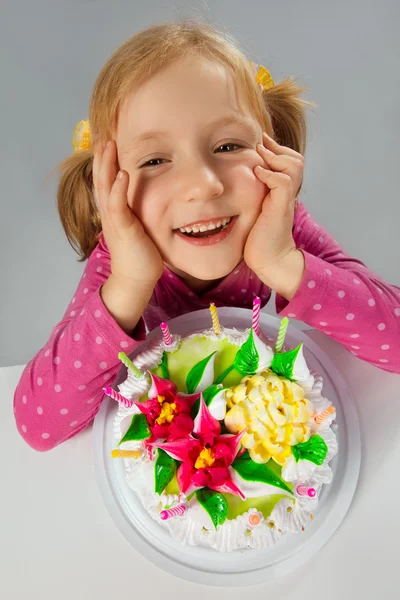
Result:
<point x="148" y="202"/>
<point x="248" y="186"/>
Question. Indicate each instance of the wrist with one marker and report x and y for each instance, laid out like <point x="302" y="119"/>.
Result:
<point x="285" y="275"/>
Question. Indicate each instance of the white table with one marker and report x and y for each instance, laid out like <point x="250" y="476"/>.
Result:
<point x="58" y="541"/>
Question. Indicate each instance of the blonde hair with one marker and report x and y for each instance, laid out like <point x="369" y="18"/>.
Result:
<point x="279" y="109"/>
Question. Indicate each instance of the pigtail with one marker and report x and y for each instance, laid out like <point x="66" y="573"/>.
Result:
<point x="76" y="204"/>
<point x="287" y="112"/>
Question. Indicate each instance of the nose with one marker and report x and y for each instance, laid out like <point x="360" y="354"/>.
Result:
<point x="199" y="182"/>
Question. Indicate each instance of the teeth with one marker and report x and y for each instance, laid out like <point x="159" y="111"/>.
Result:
<point x="202" y="228"/>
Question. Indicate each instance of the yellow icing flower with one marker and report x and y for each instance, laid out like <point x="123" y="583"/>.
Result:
<point x="167" y="411"/>
<point x="275" y="413"/>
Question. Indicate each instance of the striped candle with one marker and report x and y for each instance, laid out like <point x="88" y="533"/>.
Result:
<point x="129" y="364"/>
<point x="118" y="397"/>
<point x="175" y="511"/>
<point x="303" y="490"/>
<point x="166" y="334"/>
<point x="324" y="415"/>
<point x="126" y="454"/>
<point x="256" y="315"/>
<point x="215" y="320"/>
<point x="281" y="334"/>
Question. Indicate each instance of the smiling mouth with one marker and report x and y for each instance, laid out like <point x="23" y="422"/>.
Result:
<point x="204" y="229"/>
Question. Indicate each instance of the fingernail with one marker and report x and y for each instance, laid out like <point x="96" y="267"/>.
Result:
<point x="108" y="144"/>
<point x="120" y="175"/>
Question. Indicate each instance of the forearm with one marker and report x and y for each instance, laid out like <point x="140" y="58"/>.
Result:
<point x="125" y="300"/>
<point x="285" y="276"/>
<point x="60" y="390"/>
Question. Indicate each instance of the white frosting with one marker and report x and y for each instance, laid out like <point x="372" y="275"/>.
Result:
<point x="176" y="342"/>
<point x="208" y="376"/>
<point x="195" y="527"/>
<point x="301" y="372"/>
<point x="265" y="353"/>
<point x="217" y="406"/>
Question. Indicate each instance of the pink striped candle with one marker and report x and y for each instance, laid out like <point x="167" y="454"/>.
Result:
<point x="166" y="334"/>
<point x="256" y="315"/>
<point x="118" y="397"/>
<point x="175" y="511"/>
<point x="303" y="490"/>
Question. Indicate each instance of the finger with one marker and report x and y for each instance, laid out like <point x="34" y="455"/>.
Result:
<point x="278" y="149"/>
<point x="97" y="152"/>
<point x="273" y="179"/>
<point x="107" y="173"/>
<point x="120" y="216"/>
<point x="282" y="162"/>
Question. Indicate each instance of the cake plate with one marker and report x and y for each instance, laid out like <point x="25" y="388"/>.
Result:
<point x="248" y="566"/>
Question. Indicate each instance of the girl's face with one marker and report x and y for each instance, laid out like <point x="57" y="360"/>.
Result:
<point x="190" y="149"/>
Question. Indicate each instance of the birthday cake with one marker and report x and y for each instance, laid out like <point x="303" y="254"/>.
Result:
<point x="225" y="437"/>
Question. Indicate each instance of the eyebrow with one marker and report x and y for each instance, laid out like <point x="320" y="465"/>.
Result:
<point x="222" y="122"/>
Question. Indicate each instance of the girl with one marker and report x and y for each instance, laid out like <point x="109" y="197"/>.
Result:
<point x="184" y="191"/>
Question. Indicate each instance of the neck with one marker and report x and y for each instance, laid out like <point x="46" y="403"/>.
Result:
<point x="196" y="285"/>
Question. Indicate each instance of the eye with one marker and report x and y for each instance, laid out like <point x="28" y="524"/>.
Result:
<point x="229" y="145"/>
<point x="154" y="162"/>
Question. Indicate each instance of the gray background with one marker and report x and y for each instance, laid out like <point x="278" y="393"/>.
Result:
<point x="51" y="53"/>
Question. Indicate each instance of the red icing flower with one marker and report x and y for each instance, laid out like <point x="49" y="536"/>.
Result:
<point x="167" y="412"/>
<point x="206" y="456"/>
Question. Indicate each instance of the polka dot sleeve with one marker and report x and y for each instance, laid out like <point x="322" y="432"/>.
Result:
<point x="340" y="296"/>
<point x="60" y="390"/>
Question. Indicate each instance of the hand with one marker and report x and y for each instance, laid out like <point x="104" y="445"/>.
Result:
<point x="270" y="241"/>
<point x="134" y="256"/>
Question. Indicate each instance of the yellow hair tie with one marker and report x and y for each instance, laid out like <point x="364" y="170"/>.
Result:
<point x="81" y="137"/>
<point x="264" y="78"/>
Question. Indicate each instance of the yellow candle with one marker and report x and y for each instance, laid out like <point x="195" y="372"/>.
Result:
<point x="215" y="320"/>
<point x="126" y="453"/>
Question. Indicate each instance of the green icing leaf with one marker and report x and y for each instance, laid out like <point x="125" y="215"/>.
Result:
<point x="138" y="430"/>
<point x="208" y="395"/>
<point x="252" y="471"/>
<point x="164" y="366"/>
<point x="247" y="359"/>
<point x="224" y="374"/>
<point x="195" y="375"/>
<point x="164" y="471"/>
<point x="283" y="362"/>
<point x="314" y="450"/>
<point x="215" y="504"/>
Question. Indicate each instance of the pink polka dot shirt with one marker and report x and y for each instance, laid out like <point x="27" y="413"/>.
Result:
<point x="60" y="390"/>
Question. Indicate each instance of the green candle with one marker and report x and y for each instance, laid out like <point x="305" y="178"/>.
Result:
<point x="129" y="364"/>
<point x="281" y="334"/>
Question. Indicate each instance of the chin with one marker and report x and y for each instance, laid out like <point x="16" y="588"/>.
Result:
<point x="209" y="271"/>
